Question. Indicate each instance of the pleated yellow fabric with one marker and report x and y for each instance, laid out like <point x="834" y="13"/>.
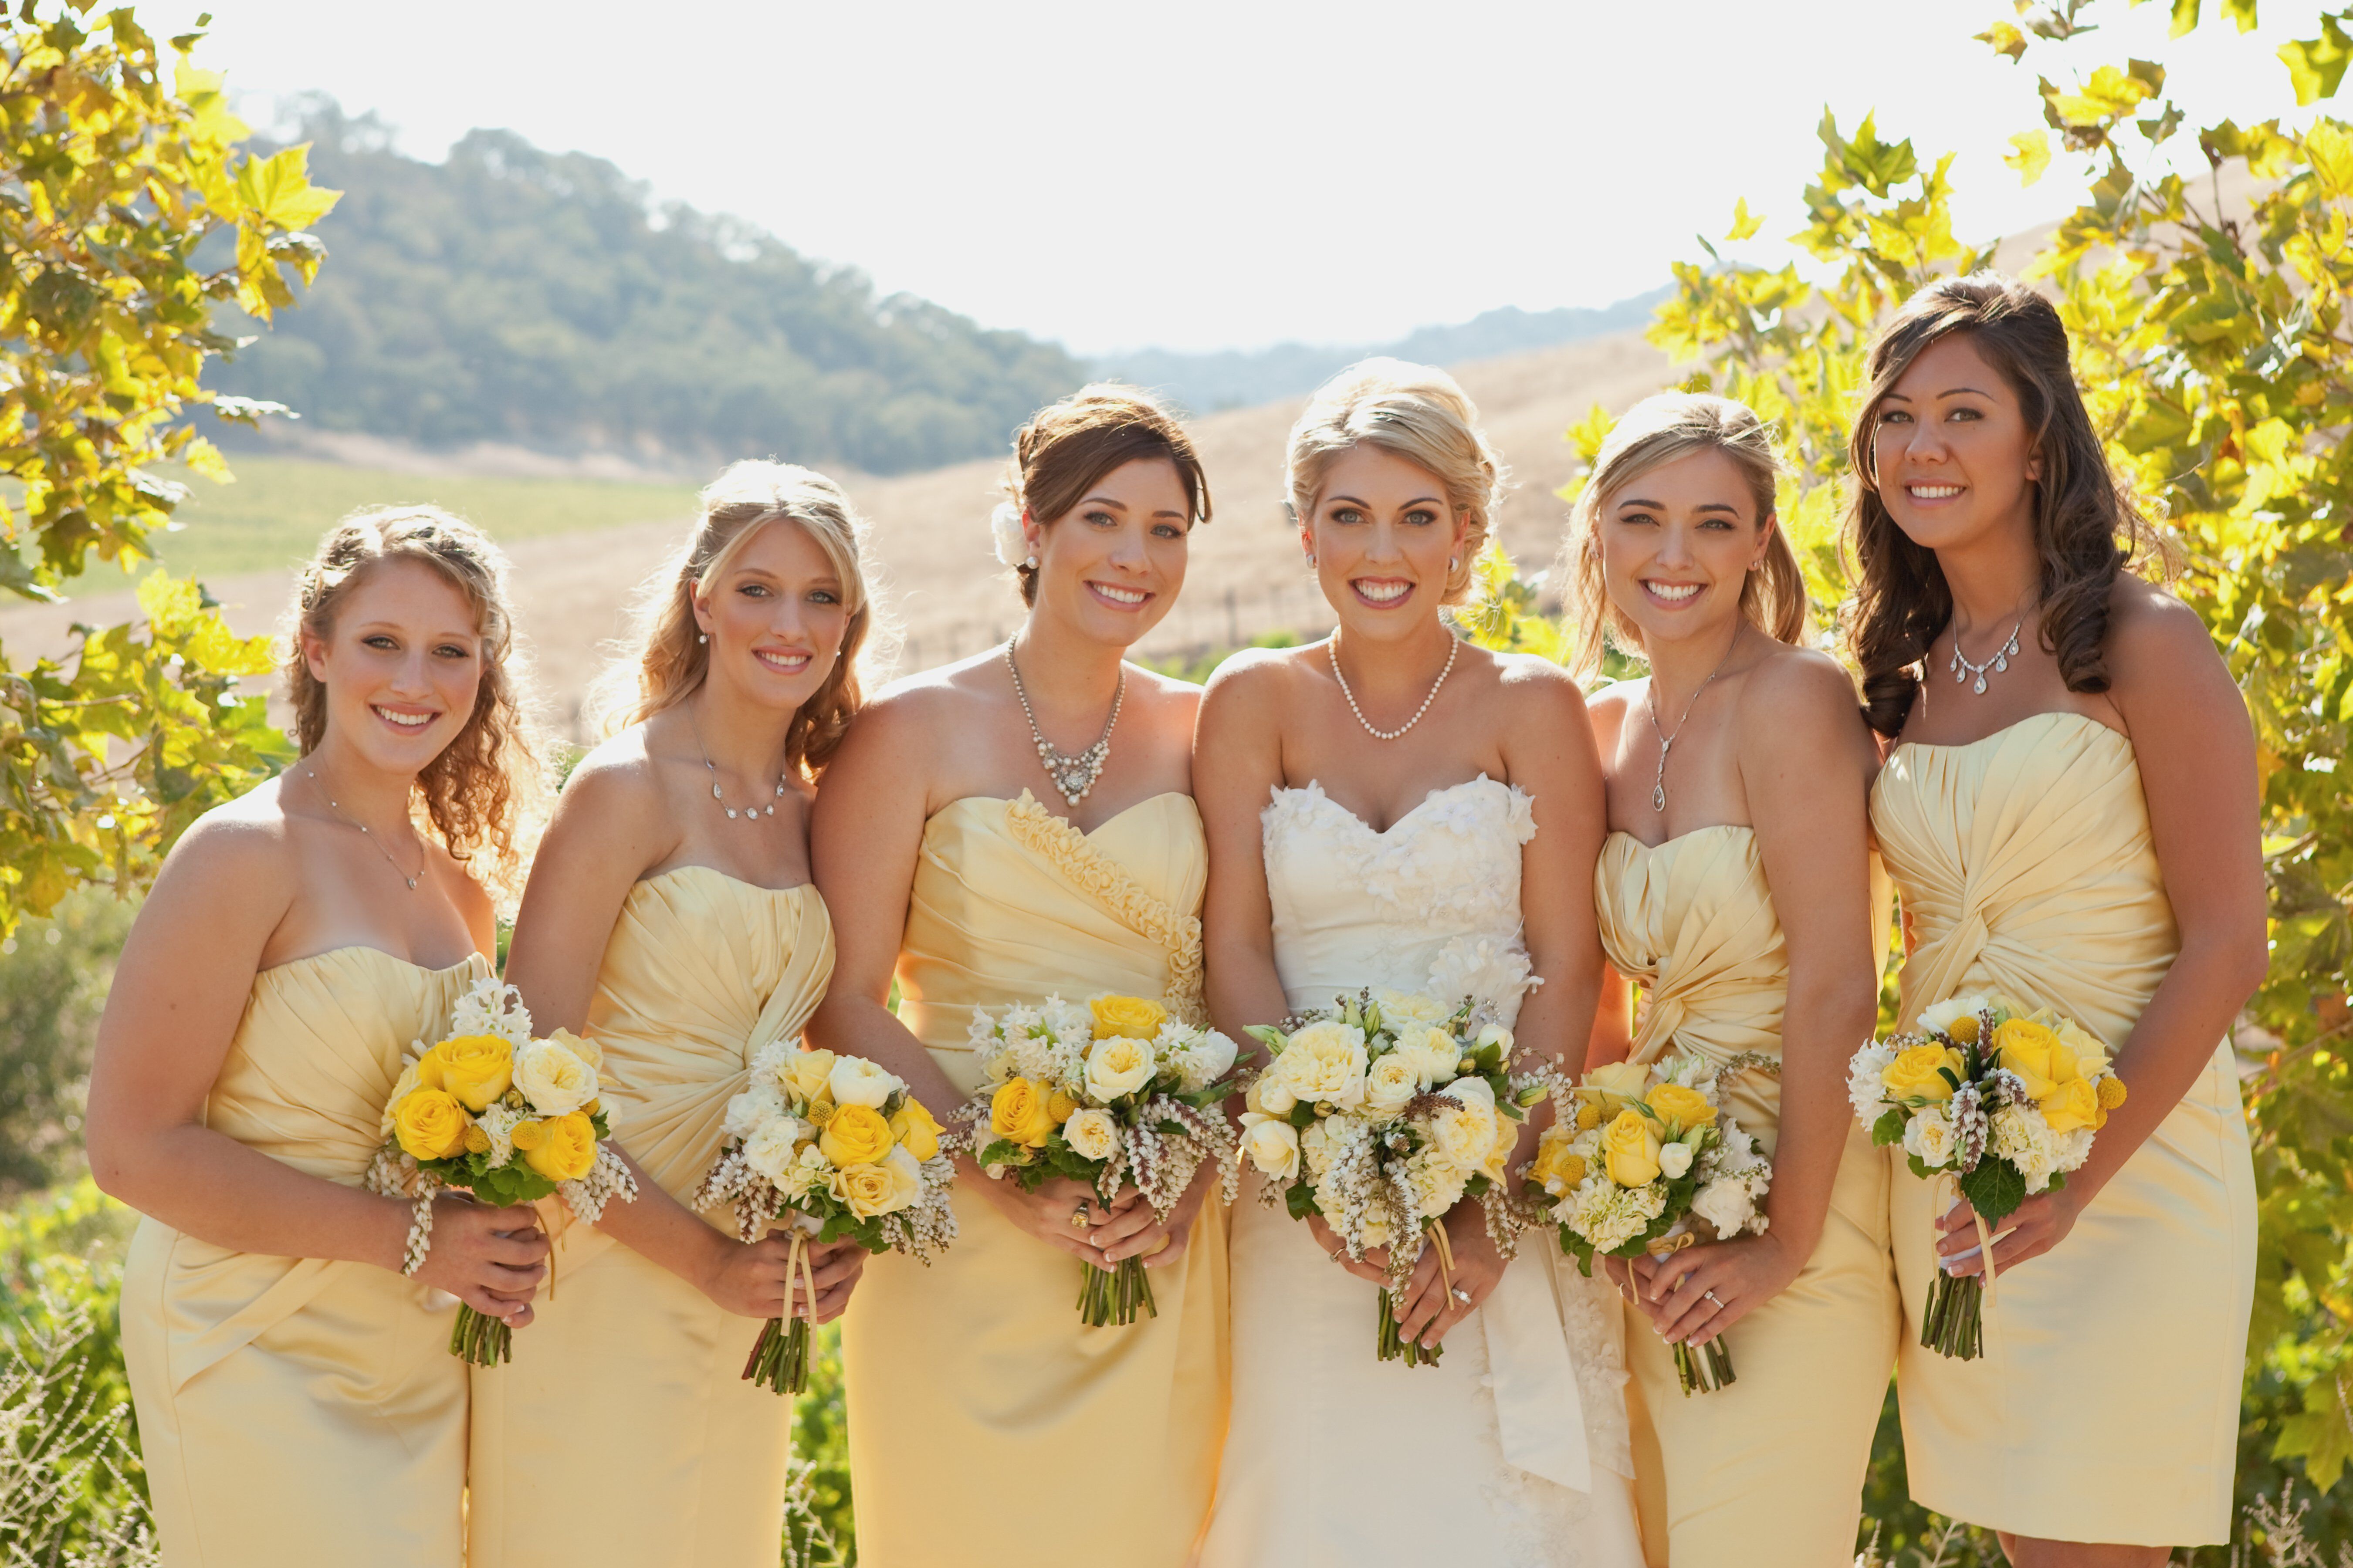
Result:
<point x="623" y="1432"/>
<point x="1768" y="1471"/>
<point x="988" y="1429"/>
<point x="2106" y="1406"/>
<point x="293" y="1408"/>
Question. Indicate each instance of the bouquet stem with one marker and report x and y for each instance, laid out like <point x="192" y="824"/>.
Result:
<point x="1955" y="1325"/>
<point x="779" y="1359"/>
<point x="1705" y="1368"/>
<point x="1117" y="1297"/>
<point x="479" y="1340"/>
<point x="1392" y="1345"/>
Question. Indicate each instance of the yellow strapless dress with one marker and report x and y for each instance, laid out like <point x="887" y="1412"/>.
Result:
<point x="1769" y="1470"/>
<point x="988" y="1429"/>
<point x="2106" y="1406"/>
<point x="623" y="1432"/>
<point x="299" y="1409"/>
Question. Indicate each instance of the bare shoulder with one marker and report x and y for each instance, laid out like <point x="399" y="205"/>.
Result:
<point x="1257" y="679"/>
<point x="2155" y="641"/>
<point x="1608" y="708"/>
<point x="616" y="782"/>
<point x="237" y="864"/>
<point x="1169" y="698"/>
<point x="914" y="711"/>
<point x="1799" y="681"/>
<point x="1536" y="688"/>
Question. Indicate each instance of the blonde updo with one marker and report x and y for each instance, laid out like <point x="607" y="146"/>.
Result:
<point x="1655" y="432"/>
<point x="666" y="661"/>
<point x="486" y="784"/>
<point x="1068" y="445"/>
<point x="1409" y="411"/>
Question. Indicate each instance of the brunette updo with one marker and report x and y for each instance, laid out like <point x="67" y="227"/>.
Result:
<point x="1068" y="446"/>
<point x="2087" y="529"/>
<point x="485" y="784"/>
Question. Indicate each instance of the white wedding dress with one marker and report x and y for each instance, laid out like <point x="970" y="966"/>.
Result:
<point x="1512" y="1450"/>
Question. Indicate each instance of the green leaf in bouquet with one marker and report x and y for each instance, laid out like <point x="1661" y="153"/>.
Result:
<point x="1266" y="1035"/>
<point x="1300" y="1199"/>
<point x="1994" y="1189"/>
<point x="1303" y="1114"/>
<point x="1005" y="1151"/>
<point x="1889" y="1128"/>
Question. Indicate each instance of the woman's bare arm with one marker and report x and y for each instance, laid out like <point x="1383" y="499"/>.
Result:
<point x="1238" y="735"/>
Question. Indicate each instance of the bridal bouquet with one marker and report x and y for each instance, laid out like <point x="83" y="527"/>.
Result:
<point x="839" y="1147"/>
<point x="1111" y="1091"/>
<point x="1381" y="1115"/>
<point x="1643" y="1160"/>
<point x="492" y="1111"/>
<point x="2001" y="1101"/>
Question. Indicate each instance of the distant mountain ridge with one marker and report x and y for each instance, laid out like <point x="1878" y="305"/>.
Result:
<point x="1208" y="382"/>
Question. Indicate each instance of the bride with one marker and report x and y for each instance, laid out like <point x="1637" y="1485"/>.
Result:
<point x="1395" y="808"/>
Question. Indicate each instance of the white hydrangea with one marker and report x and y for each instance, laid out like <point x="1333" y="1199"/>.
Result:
<point x="498" y="1124"/>
<point x="1610" y="1215"/>
<point x="1201" y="1057"/>
<point x="2026" y="1140"/>
<point x="751" y="1110"/>
<point x="1866" y="1085"/>
<point x="1728" y="1205"/>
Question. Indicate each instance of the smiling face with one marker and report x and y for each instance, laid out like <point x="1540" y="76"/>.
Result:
<point x="1677" y="544"/>
<point x="775" y="612"/>
<point x="401" y="666"/>
<point x="1112" y="564"/>
<point x="1954" y="458"/>
<point x="1382" y="538"/>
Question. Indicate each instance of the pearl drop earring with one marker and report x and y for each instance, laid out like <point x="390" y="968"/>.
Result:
<point x="702" y="636"/>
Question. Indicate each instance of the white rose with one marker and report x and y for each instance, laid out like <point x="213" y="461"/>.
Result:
<point x="857" y="1081"/>
<point x="1270" y="1094"/>
<point x="1119" y="1066"/>
<point x="1202" y="1060"/>
<point x="1929" y="1137"/>
<point x="1434" y="1053"/>
<point x="1401" y="1010"/>
<point x="553" y="1079"/>
<point x="1465" y="1131"/>
<point x="1315" y="1147"/>
<point x="753" y="1109"/>
<point x="775" y="1148"/>
<point x="1389" y="1082"/>
<point x="1324" y="1062"/>
<point x="1438" y="1183"/>
<point x="1496" y="1035"/>
<point x="1674" y="1160"/>
<point x="1272" y="1145"/>
<point x="1092" y="1134"/>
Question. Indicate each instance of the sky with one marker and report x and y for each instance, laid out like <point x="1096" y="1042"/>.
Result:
<point x="1220" y="173"/>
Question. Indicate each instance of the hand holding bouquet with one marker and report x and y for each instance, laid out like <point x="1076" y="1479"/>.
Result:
<point x="1644" y="1161"/>
<point x="492" y="1111"/>
<point x="2002" y="1102"/>
<point x="1380" y="1116"/>
<point x="841" y="1148"/>
<point x="1114" y="1091"/>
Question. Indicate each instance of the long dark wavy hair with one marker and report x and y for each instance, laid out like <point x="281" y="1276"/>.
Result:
<point x="2087" y="528"/>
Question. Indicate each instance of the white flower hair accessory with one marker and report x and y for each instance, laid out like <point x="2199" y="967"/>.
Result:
<point x="1004" y="525"/>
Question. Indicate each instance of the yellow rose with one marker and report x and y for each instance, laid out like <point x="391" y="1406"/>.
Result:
<point x="2073" y="1104"/>
<point x="569" y="1151"/>
<point x="431" y="1124"/>
<point x="1914" y="1073"/>
<point x="2091" y="1052"/>
<point x="1130" y="1016"/>
<point x="2035" y="1053"/>
<point x="476" y="1068"/>
<point x="529" y="1135"/>
<point x="409" y="1084"/>
<point x="1555" y="1169"/>
<point x="856" y="1136"/>
<point x="808" y="1074"/>
<point x="915" y="1130"/>
<point x="1019" y="1111"/>
<point x="1612" y="1084"/>
<point x="1682" y="1108"/>
<point x="1629" y="1150"/>
<point x="883" y="1188"/>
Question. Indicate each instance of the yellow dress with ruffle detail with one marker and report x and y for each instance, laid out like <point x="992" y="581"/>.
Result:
<point x="988" y="1427"/>
<point x="1768" y="1471"/>
<point x="296" y="1408"/>
<point x="623" y="1432"/>
<point x="2106" y="1406"/>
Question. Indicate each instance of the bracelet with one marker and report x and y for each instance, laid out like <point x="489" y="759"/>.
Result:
<point x="420" y="1238"/>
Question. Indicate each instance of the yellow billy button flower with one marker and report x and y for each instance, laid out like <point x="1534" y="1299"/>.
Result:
<point x="1061" y="1107"/>
<point x="569" y="1151"/>
<point x="1916" y="1073"/>
<point x="1682" y="1108"/>
<point x="476" y="1068"/>
<point x="2111" y="1092"/>
<point x="915" y="1130"/>
<point x="529" y="1135"/>
<point x="1589" y="1116"/>
<point x="1133" y="1017"/>
<point x="1019" y="1113"/>
<point x="856" y="1135"/>
<point x="477" y="1140"/>
<point x="1629" y="1150"/>
<point x="431" y="1124"/>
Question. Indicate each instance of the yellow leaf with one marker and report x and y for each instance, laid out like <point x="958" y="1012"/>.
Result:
<point x="278" y="190"/>
<point x="1744" y="222"/>
<point x="2030" y="156"/>
<point x="2328" y="146"/>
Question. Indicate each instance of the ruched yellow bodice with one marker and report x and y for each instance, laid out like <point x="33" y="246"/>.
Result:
<point x="971" y="1380"/>
<point x="332" y="1379"/>
<point x="2027" y="868"/>
<point x="623" y="1433"/>
<point x="1768" y="1471"/>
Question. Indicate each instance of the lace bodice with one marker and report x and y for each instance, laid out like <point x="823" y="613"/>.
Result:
<point x="1432" y="904"/>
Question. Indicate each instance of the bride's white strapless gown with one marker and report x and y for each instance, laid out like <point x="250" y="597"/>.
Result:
<point x="1512" y="1450"/>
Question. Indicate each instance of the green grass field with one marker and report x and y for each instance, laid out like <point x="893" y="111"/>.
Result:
<point x="275" y="511"/>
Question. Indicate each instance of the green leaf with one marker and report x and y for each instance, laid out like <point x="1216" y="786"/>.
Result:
<point x="2314" y="65"/>
<point x="2322" y="1437"/>
<point x="1994" y="1189"/>
<point x="1889" y="1128"/>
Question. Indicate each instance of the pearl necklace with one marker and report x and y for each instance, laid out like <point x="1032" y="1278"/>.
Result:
<point x="1075" y="774"/>
<point x="312" y="773"/>
<point x="1454" y="646"/>
<point x="753" y="813"/>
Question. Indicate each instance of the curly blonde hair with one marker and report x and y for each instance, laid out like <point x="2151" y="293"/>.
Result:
<point x="479" y="793"/>
<point x="666" y="661"/>
<point x="1409" y="411"/>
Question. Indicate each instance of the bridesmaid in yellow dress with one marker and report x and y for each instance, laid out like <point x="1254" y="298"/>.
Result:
<point x="1017" y="824"/>
<point x="671" y="919"/>
<point x="2071" y="748"/>
<point x="296" y="1395"/>
<point x="1735" y="889"/>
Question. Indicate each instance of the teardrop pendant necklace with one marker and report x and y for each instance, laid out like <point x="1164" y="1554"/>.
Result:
<point x="1650" y="700"/>
<point x="1963" y="669"/>
<point x="752" y="813"/>
<point x="312" y="774"/>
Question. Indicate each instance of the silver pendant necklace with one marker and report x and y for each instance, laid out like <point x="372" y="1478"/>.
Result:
<point x="751" y="813"/>
<point x="312" y="773"/>
<point x="1962" y="669"/>
<point x="1453" y="645"/>
<point x="1650" y="700"/>
<point x="1075" y="774"/>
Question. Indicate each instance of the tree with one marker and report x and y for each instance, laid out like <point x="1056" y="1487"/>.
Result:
<point x="111" y="183"/>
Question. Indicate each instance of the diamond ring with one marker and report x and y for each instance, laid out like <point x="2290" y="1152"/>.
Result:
<point x="1078" y="1218"/>
<point x="1711" y="1296"/>
<point x="1461" y="1297"/>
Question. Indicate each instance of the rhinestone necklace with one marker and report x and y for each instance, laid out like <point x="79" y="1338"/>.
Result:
<point x="753" y="813"/>
<point x="1454" y="646"/>
<point x="312" y="773"/>
<point x="1075" y="774"/>
<point x="1962" y="669"/>
<point x="1650" y="700"/>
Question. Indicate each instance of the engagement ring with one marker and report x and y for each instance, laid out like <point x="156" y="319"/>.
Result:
<point x="1462" y="1296"/>
<point x="1079" y="1219"/>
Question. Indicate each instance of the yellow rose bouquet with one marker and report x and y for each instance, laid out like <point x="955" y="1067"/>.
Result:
<point x="1114" y="1091"/>
<point x="1381" y="1115"/>
<point x="492" y="1111"/>
<point x="1642" y="1158"/>
<point x="2001" y="1101"/>
<point x="839" y="1148"/>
